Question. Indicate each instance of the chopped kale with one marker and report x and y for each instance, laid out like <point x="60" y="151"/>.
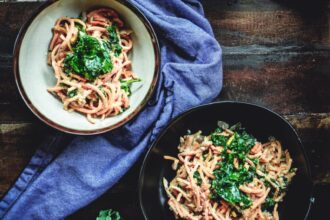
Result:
<point x="126" y="85"/>
<point x="79" y="27"/>
<point x="89" y="58"/>
<point x="72" y="93"/>
<point x="268" y="204"/>
<point x="113" y="44"/>
<point x="236" y="127"/>
<point x="254" y="160"/>
<point x="109" y="215"/>
<point x="293" y="170"/>
<point x="197" y="177"/>
<point x="217" y="139"/>
<point x="227" y="177"/>
<point x="223" y="125"/>
<point x="82" y="16"/>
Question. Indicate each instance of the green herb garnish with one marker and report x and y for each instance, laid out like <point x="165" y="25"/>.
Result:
<point x="113" y="43"/>
<point x="126" y="85"/>
<point x="79" y="27"/>
<point x="197" y="177"/>
<point x="72" y="93"/>
<point x="268" y="204"/>
<point x="90" y="58"/>
<point x="217" y="139"/>
<point x="108" y="215"/>
<point x="227" y="177"/>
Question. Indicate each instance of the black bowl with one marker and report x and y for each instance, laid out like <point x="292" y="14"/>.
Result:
<point x="259" y="121"/>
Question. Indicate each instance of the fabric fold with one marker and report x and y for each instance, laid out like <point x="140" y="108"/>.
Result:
<point x="60" y="180"/>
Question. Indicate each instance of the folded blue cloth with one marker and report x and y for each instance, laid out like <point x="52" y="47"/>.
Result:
<point x="60" y="180"/>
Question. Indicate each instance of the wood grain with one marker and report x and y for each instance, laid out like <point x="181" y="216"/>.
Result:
<point x="267" y="22"/>
<point x="258" y="27"/>
<point x="17" y="144"/>
<point x="294" y="75"/>
<point x="16" y="113"/>
<point x="285" y="83"/>
<point x="276" y="54"/>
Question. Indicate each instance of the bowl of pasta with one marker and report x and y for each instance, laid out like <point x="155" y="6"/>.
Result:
<point x="226" y="160"/>
<point x="86" y="67"/>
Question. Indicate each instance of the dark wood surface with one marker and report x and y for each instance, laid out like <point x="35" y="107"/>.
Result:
<point x="276" y="54"/>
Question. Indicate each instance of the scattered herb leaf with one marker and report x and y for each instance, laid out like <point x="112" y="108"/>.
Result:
<point x="113" y="43"/>
<point x="197" y="177"/>
<point x="223" y="125"/>
<point x="72" y="93"/>
<point x="109" y="215"/>
<point x="126" y="85"/>
<point x="268" y="204"/>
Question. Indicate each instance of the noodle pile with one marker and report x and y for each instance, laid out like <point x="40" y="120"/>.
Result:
<point x="104" y="92"/>
<point x="202" y="166"/>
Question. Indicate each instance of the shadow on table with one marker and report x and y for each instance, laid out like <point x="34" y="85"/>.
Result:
<point x="307" y="7"/>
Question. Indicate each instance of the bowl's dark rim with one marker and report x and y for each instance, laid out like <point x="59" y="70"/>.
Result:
<point x="51" y="123"/>
<point x="173" y="121"/>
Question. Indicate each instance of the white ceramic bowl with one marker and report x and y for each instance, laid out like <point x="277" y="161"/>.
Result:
<point x="34" y="76"/>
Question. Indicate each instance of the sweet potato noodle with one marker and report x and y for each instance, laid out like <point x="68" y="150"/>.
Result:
<point x="89" y="56"/>
<point x="228" y="175"/>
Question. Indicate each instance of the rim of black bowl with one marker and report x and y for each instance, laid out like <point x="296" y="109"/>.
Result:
<point x="57" y="126"/>
<point x="174" y="120"/>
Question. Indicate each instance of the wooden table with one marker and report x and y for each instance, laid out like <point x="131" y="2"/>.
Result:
<point x="275" y="54"/>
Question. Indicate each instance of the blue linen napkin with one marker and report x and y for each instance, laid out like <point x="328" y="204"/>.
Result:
<point x="63" y="177"/>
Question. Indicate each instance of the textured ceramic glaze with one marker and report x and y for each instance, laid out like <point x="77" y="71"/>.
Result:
<point x="36" y="76"/>
<point x="258" y="121"/>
